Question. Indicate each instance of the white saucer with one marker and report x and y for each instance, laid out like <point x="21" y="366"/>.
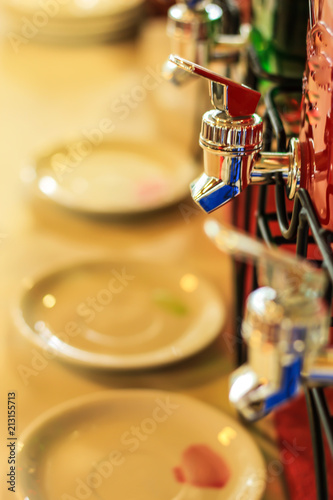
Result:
<point x="112" y="178"/>
<point x="78" y="9"/>
<point x="121" y="316"/>
<point x="76" y="20"/>
<point x="127" y="444"/>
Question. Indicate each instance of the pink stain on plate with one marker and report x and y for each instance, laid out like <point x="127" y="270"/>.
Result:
<point x="202" y="467"/>
<point x="151" y="191"/>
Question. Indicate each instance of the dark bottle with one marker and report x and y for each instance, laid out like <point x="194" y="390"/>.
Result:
<point x="279" y="34"/>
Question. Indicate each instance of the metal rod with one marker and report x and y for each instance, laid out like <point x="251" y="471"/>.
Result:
<point x="302" y="235"/>
<point x="288" y="229"/>
<point x="274" y="119"/>
<point x="317" y="444"/>
<point x="325" y="416"/>
<point x="321" y="237"/>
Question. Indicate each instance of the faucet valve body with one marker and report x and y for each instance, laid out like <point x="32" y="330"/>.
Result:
<point x="230" y="146"/>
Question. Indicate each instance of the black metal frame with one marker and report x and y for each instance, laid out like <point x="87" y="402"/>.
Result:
<point x="301" y="228"/>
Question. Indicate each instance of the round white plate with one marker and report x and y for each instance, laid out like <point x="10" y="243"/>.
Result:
<point x="127" y="444"/>
<point x="116" y="177"/>
<point x="76" y="20"/>
<point x="69" y="10"/>
<point x="121" y="315"/>
<point x="96" y="33"/>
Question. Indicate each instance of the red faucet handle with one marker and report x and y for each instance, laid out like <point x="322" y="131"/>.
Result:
<point x="241" y="100"/>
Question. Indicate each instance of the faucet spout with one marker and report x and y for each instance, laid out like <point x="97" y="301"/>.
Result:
<point x="211" y="193"/>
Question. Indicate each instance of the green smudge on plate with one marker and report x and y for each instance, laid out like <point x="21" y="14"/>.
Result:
<point x="169" y="302"/>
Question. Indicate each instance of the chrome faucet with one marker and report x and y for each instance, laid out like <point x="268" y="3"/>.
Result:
<point x="285" y="326"/>
<point x="194" y="27"/>
<point x="231" y="139"/>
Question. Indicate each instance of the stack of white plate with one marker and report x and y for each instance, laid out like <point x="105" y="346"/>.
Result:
<point x="72" y="20"/>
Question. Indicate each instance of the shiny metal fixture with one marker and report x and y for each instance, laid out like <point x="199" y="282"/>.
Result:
<point x="285" y="326"/>
<point x="231" y="138"/>
<point x="194" y="28"/>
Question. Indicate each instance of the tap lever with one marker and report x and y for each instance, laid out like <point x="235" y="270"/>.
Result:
<point x="289" y="275"/>
<point x="237" y="99"/>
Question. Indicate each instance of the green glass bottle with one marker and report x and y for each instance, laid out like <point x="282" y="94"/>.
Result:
<point x="279" y="36"/>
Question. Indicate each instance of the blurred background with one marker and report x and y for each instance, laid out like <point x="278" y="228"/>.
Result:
<point x="97" y="153"/>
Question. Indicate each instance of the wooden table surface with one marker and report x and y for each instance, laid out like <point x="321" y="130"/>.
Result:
<point x="50" y="94"/>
